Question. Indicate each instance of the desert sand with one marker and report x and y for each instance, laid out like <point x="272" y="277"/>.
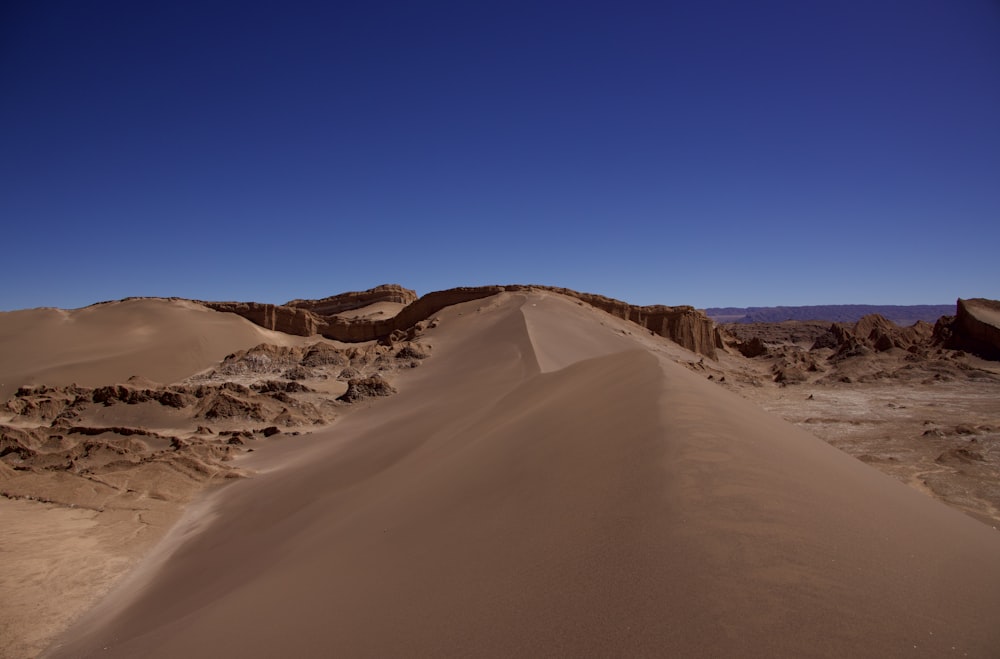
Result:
<point x="551" y="481"/>
<point x="164" y="340"/>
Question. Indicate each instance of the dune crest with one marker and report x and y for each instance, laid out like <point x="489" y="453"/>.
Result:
<point x="162" y="340"/>
<point x="544" y="487"/>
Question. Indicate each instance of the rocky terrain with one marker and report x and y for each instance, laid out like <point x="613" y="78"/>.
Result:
<point x="136" y="440"/>
<point x="841" y="313"/>
<point x="921" y="403"/>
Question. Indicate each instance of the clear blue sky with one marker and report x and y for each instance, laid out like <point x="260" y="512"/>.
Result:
<point x="707" y="153"/>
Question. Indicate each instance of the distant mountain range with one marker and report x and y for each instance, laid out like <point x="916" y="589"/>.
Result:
<point x="841" y="313"/>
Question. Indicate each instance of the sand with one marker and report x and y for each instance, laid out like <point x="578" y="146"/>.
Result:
<point x="159" y="339"/>
<point x="70" y="533"/>
<point x="553" y="483"/>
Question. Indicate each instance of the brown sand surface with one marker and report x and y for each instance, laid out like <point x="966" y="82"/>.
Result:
<point x="373" y="310"/>
<point x="163" y="340"/>
<point x="87" y="488"/>
<point x="553" y="483"/>
<point x="986" y="313"/>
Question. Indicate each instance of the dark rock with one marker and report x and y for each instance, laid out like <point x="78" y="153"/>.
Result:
<point x="753" y="348"/>
<point x="296" y="373"/>
<point x="348" y="373"/>
<point x="360" y="389"/>
<point x="412" y="351"/>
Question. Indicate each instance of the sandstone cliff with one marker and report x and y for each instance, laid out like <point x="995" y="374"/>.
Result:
<point x="683" y="324"/>
<point x="280" y="318"/>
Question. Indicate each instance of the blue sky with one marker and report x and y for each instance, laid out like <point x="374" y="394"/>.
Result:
<point x="707" y="153"/>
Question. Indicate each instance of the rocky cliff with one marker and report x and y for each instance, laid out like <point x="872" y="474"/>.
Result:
<point x="280" y="318"/>
<point x="682" y="324"/>
<point x="975" y="328"/>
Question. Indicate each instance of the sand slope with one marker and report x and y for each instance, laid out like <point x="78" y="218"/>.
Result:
<point x="551" y="485"/>
<point x="163" y="340"/>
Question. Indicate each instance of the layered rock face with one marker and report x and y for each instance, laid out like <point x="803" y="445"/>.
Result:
<point x="335" y="304"/>
<point x="279" y="318"/>
<point x="974" y="328"/>
<point x="683" y="324"/>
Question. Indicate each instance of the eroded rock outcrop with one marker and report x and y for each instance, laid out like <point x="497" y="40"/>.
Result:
<point x="685" y="325"/>
<point x="755" y="347"/>
<point x="335" y="304"/>
<point x="279" y="318"/>
<point x="975" y="328"/>
<point x="682" y="324"/>
<point x="873" y="333"/>
<point x="371" y="387"/>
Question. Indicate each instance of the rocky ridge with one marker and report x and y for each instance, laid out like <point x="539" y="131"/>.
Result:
<point x="846" y="351"/>
<point x="350" y="301"/>
<point x="682" y="324"/>
<point x="836" y="313"/>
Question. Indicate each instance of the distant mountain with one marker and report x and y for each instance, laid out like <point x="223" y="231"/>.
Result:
<point x="841" y="313"/>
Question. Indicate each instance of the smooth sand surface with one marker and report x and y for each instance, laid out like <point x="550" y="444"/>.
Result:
<point x="163" y="340"/>
<point x="551" y="483"/>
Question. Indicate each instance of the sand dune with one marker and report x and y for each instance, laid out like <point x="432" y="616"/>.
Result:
<point x="92" y="475"/>
<point x="163" y="340"/>
<point x="552" y="483"/>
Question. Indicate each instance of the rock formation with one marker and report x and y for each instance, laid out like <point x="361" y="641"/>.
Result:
<point x="290" y="320"/>
<point x="370" y="387"/>
<point x="682" y="324"/>
<point x="335" y="304"/>
<point x="974" y="328"/>
<point x="753" y="348"/>
<point x="873" y="333"/>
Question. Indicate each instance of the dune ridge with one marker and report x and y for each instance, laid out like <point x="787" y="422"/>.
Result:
<point x="536" y="490"/>
<point x="160" y="339"/>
